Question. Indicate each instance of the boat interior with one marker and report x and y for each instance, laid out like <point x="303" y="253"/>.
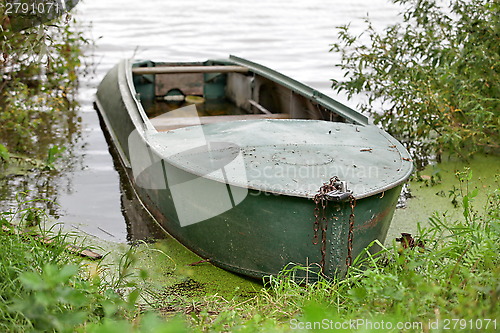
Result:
<point x="220" y="93"/>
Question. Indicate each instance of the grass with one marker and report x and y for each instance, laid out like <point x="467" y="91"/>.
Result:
<point x="449" y="282"/>
<point x="45" y="289"/>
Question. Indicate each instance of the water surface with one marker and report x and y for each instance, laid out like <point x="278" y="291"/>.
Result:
<point x="290" y="36"/>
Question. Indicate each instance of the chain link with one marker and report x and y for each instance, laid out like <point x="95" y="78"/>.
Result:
<point x="348" y="260"/>
<point x="321" y="220"/>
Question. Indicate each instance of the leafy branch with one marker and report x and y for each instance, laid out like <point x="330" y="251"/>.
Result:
<point x="432" y="79"/>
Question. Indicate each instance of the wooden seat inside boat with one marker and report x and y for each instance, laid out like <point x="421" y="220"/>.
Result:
<point x="227" y="93"/>
<point x="163" y="123"/>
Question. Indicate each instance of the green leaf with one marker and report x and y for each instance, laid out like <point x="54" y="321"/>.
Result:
<point x="133" y="296"/>
<point x="4" y="153"/>
<point x="32" y="281"/>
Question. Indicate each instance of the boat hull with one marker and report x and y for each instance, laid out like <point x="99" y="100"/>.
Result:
<point x="263" y="233"/>
<point x="267" y="232"/>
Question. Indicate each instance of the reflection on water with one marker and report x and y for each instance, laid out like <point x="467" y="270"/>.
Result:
<point x="140" y="225"/>
<point x="26" y="178"/>
<point x="291" y="36"/>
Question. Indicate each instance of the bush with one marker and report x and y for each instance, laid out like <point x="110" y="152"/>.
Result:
<point x="431" y="80"/>
<point x="38" y="67"/>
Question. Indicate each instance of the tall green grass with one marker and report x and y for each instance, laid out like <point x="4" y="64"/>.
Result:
<point x="43" y="288"/>
<point x="449" y="284"/>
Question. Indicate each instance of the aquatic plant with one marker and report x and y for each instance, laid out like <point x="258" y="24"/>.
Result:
<point x="450" y="274"/>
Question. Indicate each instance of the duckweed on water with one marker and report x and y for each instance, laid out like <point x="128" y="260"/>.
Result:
<point x="453" y="277"/>
<point x="435" y="189"/>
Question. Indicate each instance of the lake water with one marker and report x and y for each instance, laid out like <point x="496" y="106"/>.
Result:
<point x="290" y="36"/>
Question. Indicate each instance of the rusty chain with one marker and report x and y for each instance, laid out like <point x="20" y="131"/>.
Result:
<point x="348" y="260"/>
<point x="321" y="220"/>
<point x="320" y="216"/>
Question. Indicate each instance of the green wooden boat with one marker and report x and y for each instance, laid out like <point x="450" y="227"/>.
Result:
<point x="249" y="168"/>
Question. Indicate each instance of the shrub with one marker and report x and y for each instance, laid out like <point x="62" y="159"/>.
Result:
<point x="432" y="79"/>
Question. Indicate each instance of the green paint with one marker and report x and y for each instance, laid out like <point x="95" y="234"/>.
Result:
<point x="292" y="158"/>
<point x="170" y="265"/>
<point x="168" y="262"/>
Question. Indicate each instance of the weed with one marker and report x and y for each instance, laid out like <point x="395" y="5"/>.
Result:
<point x="43" y="288"/>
